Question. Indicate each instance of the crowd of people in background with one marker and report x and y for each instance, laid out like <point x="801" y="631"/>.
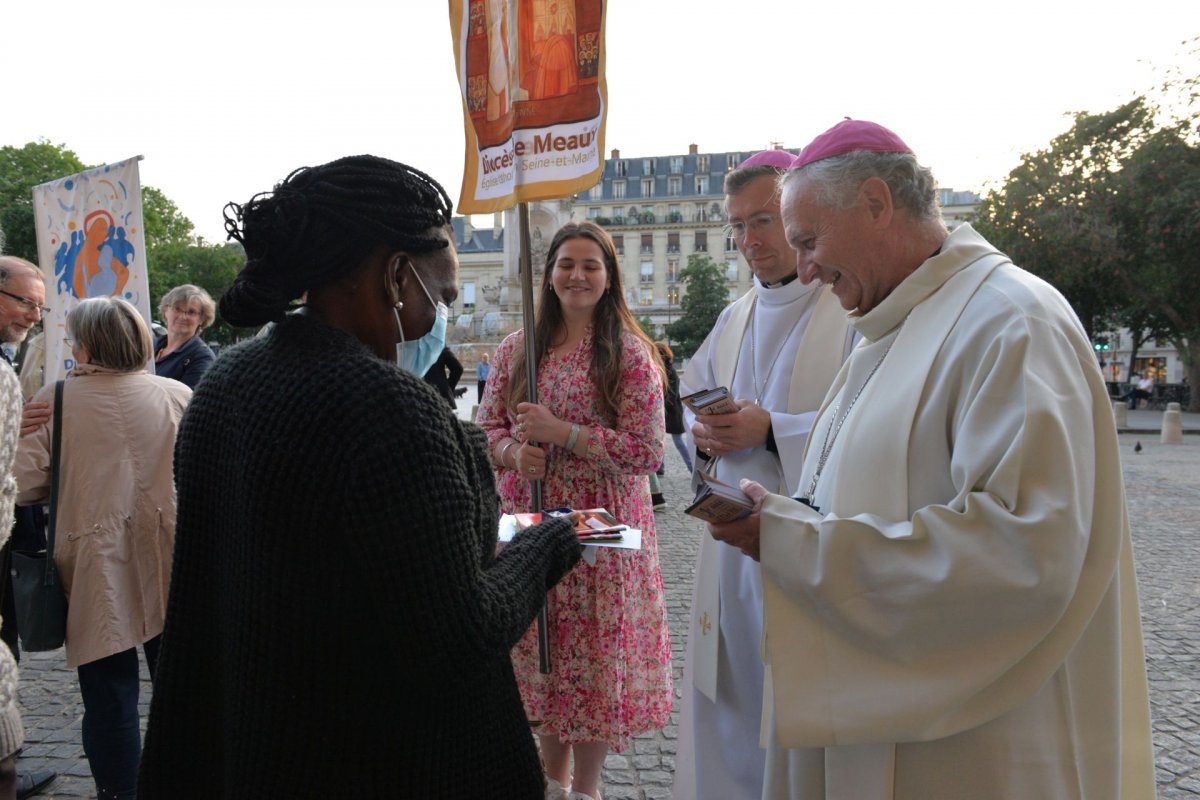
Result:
<point x="930" y="595"/>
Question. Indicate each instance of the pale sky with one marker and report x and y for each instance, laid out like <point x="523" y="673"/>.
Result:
<point x="225" y="98"/>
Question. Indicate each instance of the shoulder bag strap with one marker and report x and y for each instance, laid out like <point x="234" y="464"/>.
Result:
<point x="55" y="454"/>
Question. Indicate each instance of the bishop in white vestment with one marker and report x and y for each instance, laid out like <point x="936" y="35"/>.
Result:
<point x="952" y="611"/>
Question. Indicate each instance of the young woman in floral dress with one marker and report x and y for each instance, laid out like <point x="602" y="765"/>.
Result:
<point x="592" y="439"/>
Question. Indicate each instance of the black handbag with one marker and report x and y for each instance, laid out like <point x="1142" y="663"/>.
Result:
<point x="38" y="592"/>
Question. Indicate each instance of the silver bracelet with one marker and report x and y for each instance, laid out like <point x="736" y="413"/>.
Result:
<point x="573" y="436"/>
<point x="504" y="449"/>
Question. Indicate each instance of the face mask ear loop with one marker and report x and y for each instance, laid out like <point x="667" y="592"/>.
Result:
<point x="399" y="304"/>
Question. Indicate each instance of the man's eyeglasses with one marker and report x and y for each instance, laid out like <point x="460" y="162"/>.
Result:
<point x="27" y="304"/>
<point x="757" y="223"/>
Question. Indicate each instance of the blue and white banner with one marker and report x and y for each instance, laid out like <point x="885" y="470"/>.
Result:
<point x="90" y="243"/>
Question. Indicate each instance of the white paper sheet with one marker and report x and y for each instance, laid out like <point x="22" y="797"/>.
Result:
<point x="631" y="538"/>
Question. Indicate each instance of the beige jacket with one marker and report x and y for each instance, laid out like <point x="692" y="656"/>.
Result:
<point x="116" y="517"/>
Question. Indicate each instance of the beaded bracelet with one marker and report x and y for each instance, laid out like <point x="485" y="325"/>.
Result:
<point x="573" y="436"/>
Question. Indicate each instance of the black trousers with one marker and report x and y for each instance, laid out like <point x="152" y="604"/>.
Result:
<point x="112" y="737"/>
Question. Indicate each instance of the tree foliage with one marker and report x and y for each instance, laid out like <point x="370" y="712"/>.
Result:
<point x="1109" y="213"/>
<point x="174" y="255"/>
<point x="211" y="267"/>
<point x="22" y="168"/>
<point x="704" y="298"/>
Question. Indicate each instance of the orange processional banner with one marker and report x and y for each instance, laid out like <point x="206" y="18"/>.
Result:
<point x="531" y="74"/>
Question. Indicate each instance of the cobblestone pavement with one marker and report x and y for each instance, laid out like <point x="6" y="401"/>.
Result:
<point x="1163" y="487"/>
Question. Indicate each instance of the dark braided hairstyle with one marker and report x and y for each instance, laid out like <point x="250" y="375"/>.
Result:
<point x="320" y="223"/>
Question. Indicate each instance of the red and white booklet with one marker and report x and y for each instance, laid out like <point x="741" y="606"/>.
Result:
<point x="594" y="526"/>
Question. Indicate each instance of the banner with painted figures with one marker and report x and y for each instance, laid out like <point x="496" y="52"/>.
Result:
<point x="531" y="74"/>
<point x="90" y="243"/>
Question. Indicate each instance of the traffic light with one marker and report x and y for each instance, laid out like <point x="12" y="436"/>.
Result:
<point x="1101" y="345"/>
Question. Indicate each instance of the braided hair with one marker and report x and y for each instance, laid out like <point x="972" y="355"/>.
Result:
<point x="320" y="223"/>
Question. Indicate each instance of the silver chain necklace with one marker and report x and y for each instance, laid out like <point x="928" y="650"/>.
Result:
<point x="759" y="391"/>
<point x="835" y="427"/>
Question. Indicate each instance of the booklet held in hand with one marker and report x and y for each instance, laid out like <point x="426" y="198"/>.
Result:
<point x="591" y="524"/>
<point x="710" y="401"/>
<point x="719" y="502"/>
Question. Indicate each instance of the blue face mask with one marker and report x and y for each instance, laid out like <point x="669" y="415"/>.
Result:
<point x="419" y="355"/>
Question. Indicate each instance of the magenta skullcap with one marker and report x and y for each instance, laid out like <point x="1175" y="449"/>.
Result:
<point x="780" y="159"/>
<point x="848" y="136"/>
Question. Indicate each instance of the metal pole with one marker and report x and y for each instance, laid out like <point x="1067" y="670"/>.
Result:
<point x="535" y="487"/>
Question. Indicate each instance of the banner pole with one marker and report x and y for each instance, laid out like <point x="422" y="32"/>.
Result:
<point x="535" y="487"/>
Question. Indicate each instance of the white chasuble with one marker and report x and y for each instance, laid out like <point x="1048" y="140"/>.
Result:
<point x="780" y="346"/>
<point x="959" y="619"/>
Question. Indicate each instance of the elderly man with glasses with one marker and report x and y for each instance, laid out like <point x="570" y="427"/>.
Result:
<point x="22" y="304"/>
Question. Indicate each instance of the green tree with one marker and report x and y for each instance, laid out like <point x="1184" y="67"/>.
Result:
<point x="22" y="168"/>
<point x="212" y="267"/>
<point x="165" y="225"/>
<point x="1156" y="211"/>
<point x="705" y="297"/>
<point x="1050" y="214"/>
<point x="647" y="326"/>
<point x="1110" y="214"/>
<point x="173" y="254"/>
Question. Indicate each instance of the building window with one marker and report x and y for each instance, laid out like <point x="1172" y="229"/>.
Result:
<point x="673" y="214"/>
<point x="647" y="187"/>
<point x="468" y="295"/>
<point x="731" y="270"/>
<point x="676" y="165"/>
<point x="701" y="163"/>
<point x="673" y="242"/>
<point x="674" y="185"/>
<point x="594" y="212"/>
<point x="672" y="295"/>
<point x="598" y="191"/>
<point x="619" y="169"/>
<point x="701" y="241"/>
<point x="701" y="184"/>
<point x="618" y="189"/>
<point x="647" y="166"/>
<point x="672" y="270"/>
<point x="647" y="274"/>
<point x="731" y="161"/>
<point x="733" y="293"/>
<point x="730" y="245"/>
<point x="647" y="242"/>
<point x="619" y="244"/>
<point x="701" y="213"/>
<point x="646" y="296"/>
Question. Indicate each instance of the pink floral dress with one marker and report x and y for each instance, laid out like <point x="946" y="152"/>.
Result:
<point x="610" y="648"/>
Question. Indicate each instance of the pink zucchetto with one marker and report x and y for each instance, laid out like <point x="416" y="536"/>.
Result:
<point x="848" y="136"/>
<point x="780" y="159"/>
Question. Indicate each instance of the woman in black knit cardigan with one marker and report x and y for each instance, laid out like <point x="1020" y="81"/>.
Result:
<point x="339" y="621"/>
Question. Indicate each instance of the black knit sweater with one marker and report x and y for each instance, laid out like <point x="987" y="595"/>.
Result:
<point x="339" y="624"/>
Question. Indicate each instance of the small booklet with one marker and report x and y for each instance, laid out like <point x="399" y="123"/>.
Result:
<point x="710" y="401"/>
<point x="717" y="501"/>
<point x="591" y="524"/>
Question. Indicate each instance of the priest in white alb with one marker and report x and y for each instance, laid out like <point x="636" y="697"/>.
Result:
<point x="950" y="606"/>
<point x="777" y="349"/>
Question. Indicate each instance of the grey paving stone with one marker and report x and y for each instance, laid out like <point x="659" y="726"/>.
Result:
<point x="1163" y="490"/>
